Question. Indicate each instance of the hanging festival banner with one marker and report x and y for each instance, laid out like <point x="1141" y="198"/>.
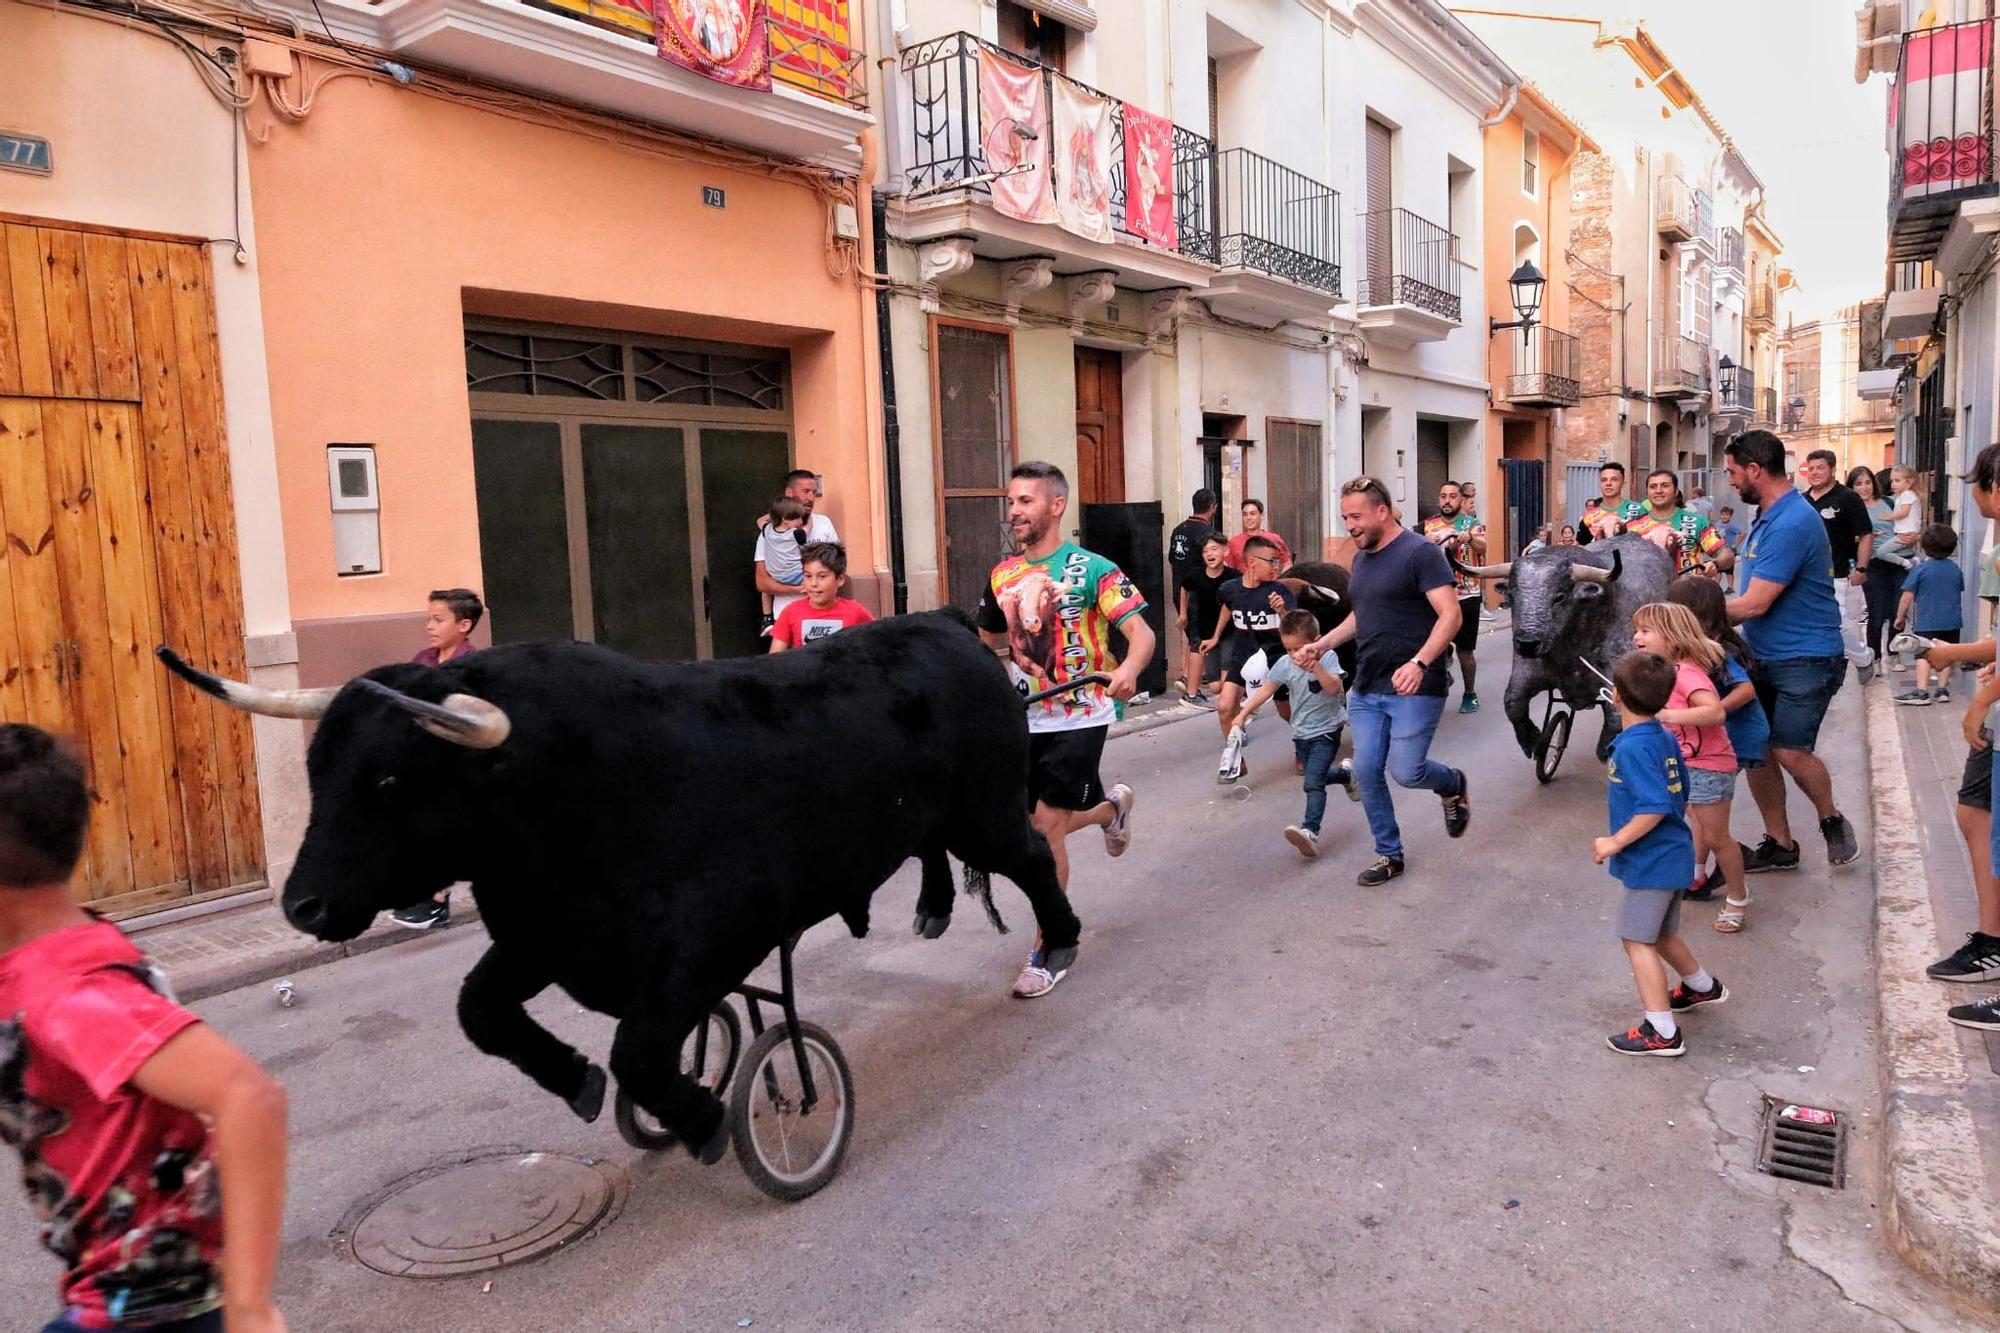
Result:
<point x="1943" y="94"/>
<point x="1083" y="161"/>
<point x="724" y="40"/>
<point x="1149" y="177"/>
<point x="1014" y="115"/>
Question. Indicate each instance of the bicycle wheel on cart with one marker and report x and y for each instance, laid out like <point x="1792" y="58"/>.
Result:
<point x="1554" y="740"/>
<point x="787" y="1149"/>
<point x="637" y="1126"/>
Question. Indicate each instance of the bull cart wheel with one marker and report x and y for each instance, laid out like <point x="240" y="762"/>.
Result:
<point x="708" y="1056"/>
<point x="791" y="1114"/>
<point x="1549" y="746"/>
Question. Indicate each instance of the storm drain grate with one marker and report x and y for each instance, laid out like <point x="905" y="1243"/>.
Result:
<point x="1806" y="1143"/>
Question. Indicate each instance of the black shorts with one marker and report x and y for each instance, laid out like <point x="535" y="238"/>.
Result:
<point x="1062" y="767"/>
<point x="1976" y="787"/>
<point x="1238" y="649"/>
<point x="1467" y="638"/>
<point x="1941" y="635"/>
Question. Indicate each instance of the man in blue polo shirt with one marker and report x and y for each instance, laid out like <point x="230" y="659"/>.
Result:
<point x="1791" y="619"/>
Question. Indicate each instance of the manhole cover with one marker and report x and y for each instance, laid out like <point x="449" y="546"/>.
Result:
<point x="481" y="1211"/>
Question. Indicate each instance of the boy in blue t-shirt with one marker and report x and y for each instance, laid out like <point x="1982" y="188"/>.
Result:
<point x="1318" y="714"/>
<point x="1932" y="604"/>
<point x="1651" y="852"/>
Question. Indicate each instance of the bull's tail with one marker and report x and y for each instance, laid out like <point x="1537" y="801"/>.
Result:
<point x="979" y="884"/>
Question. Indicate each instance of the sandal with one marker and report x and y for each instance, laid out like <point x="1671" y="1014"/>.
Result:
<point x="1730" y="919"/>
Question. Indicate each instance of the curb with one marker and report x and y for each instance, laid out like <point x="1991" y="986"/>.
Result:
<point x="1938" y="1217"/>
<point x="1162" y="717"/>
<point x="309" y="955"/>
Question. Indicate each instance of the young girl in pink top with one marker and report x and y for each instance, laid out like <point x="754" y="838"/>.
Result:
<point x="1696" y="718"/>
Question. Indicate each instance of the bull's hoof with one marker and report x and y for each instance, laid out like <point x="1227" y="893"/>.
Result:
<point x="709" y="1153"/>
<point x="930" y="927"/>
<point x="589" y="1100"/>
<point x="1059" y="960"/>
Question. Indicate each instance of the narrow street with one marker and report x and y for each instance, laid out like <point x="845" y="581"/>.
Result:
<point x="1265" y="1097"/>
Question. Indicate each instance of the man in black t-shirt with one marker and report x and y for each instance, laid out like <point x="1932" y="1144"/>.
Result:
<point x="1406" y="612"/>
<point x="1851" y="534"/>
<point x="1184" y="562"/>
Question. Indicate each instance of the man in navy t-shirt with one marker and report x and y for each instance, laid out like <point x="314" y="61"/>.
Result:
<point x="1791" y="619"/>
<point x="1405" y="613"/>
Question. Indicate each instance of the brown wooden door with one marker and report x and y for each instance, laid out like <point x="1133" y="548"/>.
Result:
<point x="1100" y="426"/>
<point x="1292" y="464"/>
<point x="1380" y="180"/>
<point x="116" y="534"/>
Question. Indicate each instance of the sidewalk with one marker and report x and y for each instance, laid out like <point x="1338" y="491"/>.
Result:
<point x="1941" y="1082"/>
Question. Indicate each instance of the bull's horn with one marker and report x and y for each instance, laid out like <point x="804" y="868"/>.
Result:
<point x="1582" y="573"/>
<point x="1301" y="585"/>
<point x="1486" y="571"/>
<point x="462" y="719"/>
<point x="306" y="704"/>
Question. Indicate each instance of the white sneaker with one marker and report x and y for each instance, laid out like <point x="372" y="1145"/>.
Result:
<point x="1304" y="839"/>
<point x="1036" y="981"/>
<point x="1486" y="613"/>
<point x="1118" y="833"/>
<point x="1346" y="768"/>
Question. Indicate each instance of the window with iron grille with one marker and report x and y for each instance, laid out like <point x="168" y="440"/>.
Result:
<point x="1531" y="160"/>
<point x="544" y="365"/>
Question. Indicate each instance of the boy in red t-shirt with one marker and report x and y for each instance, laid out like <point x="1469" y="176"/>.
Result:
<point x="105" y="1085"/>
<point x="822" y="611"/>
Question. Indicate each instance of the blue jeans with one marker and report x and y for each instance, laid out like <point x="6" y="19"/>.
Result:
<point x="201" y="1323"/>
<point x="1392" y="739"/>
<point x="1316" y="753"/>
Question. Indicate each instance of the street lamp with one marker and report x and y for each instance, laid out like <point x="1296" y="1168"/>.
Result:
<point x="1795" y="409"/>
<point x="1527" y="284"/>
<point x="1725" y="373"/>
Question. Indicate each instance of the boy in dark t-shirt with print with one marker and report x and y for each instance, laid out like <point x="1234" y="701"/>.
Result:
<point x="1249" y="611"/>
<point x="152" y="1150"/>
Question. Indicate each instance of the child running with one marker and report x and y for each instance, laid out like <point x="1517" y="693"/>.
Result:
<point x="1318" y="714"/>
<point x="1748" y="727"/>
<point x="1695" y="717"/>
<point x="1651" y="852"/>
<point x="1249" y="613"/>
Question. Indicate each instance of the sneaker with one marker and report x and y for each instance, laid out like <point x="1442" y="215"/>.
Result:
<point x="1469" y="704"/>
<point x="1380" y="872"/>
<point x="1305" y="839"/>
<point x="1642" y="1040"/>
<point x="1118" y="833"/>
<point x="1981" y="1014"/>
<point x="1840" y="844"/>
<point x="1864" y="674"/>
<point x="1201" y="701"/>
<point x="1914" y="698"/>
<point x="1486" y="613"/>
<point x="1035" y="980"/>
<point x="1681" y="999"/>
<point x="1343" y="773"/>
<point x="1942" y="694"/>
<point x="1768" y="855"/>
<point x="765" y="624"/>
<point x="432" y="915"/>
<point x="1704" y="888"/>
<point x="1978" y="959"/>
<point x="1458" y="808"/>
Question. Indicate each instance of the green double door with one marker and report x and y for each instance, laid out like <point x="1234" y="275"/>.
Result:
<point x="635" y="535"/>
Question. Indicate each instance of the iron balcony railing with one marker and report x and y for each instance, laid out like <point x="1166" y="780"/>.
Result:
<point x="1680" y="365"/>
<point x="1941" y="107"/>
<point x="812" y="45"/>
<point x="948" y="140"/>
<point x="1542" y="368"/>
<point x="1278" y="221"/>
<point x="1673" y="208"/>
<point x="1764" y="303"/>
<point x="1410" y="262"/>
<point x="1704" y="217"/>
<point x="1740" y="397"/>
<point x="1731" y="249"/>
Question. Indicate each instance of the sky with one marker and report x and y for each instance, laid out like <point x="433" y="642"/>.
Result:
<point x="1779" y="75"/>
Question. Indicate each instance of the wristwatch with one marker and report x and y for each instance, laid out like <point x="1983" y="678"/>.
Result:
<point x="1420" y="664"/>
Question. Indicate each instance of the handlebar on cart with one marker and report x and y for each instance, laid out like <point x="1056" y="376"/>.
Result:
<point x="1081" y="682"/>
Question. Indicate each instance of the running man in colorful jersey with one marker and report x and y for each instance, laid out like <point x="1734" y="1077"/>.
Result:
<point x="1049" y="612"/>
<point x="1682" y="532"/>
<point x="1607" y="516"/>
<point x="1463" y="538"/>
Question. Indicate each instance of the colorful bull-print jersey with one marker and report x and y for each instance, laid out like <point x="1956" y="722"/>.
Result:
<point x="1609" y="521"/>
<point x="123" y="1185"/>
<point x="1057" y="614"/>
<point x="1694" y="537"/>
<point x="1465" y="525"/>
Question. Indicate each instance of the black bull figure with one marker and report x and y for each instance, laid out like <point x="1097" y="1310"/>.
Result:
<point x="1574" y="605"/>
<point x="642" y="836"/>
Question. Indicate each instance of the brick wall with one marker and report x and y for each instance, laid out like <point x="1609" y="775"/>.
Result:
<point x="1592" y="426"/>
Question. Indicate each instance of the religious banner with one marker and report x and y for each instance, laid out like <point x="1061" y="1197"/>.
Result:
<point x="1940" y="105"/>
<point x="1149" y="177"/>
<point x="1014" y="115"/>
<point x="724" y="40"/>
<point x="1083" y="161"/>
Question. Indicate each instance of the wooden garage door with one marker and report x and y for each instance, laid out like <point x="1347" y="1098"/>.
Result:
<point x="116" y="534"/>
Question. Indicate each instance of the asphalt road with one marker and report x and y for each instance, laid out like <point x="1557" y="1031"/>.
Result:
<point x="1264" y="1098"/>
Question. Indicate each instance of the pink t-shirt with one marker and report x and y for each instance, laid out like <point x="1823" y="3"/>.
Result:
<point x="1702" y="747"/>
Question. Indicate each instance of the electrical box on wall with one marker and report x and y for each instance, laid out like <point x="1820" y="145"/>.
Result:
<point x="357" y="509"/>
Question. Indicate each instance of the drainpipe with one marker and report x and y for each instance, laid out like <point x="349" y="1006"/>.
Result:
<point x="1506" y="108"/>
<point x="892" y="435"/>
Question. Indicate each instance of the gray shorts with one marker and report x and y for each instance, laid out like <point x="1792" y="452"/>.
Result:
<point x="1646" y="914"/>
<point x="1706" y="786"/>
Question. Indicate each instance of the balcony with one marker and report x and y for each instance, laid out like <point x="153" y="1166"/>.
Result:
<point x="1673" y="208"/>
<point x="1741" y="400"/>
<point x="1941" y="110"/>
<point x="1766" y="415"/>
<point x="1704" y="218"/>
<point x="1680" y="368"/>
<point x="602" y="55"/>
<point x="1730" y="258"/>
<point x="1763" y="313"/>
<point x="950" y="175"/>
<point x="1278" y="242"/>
<point x="1409" y="284"/>
<point x="1542" y="368"/>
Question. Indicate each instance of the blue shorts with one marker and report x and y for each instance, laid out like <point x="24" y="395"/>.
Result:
<point x="1794" y="693"/>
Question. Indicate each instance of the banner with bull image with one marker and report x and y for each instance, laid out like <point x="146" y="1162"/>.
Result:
<point x="724" y="40"/>
<point x="1083" y="161"/>
<point x="1149" y="177"/>
<point x="1014" y="115"/>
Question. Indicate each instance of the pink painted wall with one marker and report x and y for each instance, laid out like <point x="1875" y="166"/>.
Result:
<point x="388" y="214"/>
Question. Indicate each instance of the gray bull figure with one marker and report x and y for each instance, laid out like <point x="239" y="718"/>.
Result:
<point x="1572" y="605"/>
<point x="630" y="830"/>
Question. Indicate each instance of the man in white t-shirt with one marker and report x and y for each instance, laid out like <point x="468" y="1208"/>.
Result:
<point x="802" y="486"/>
